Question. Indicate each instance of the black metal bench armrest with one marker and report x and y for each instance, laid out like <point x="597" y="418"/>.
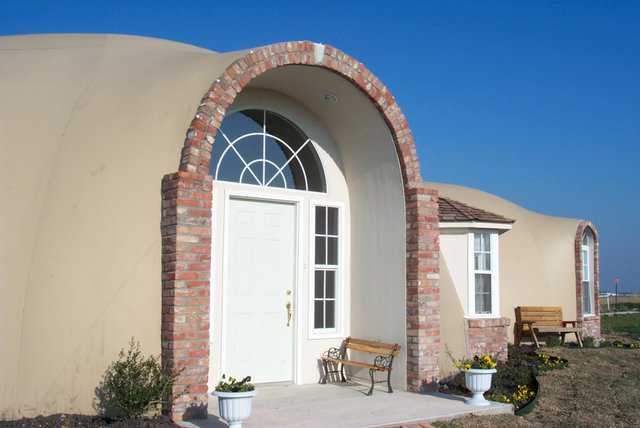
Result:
<point x="383" y="361"/>
<point x="334" y="353"/>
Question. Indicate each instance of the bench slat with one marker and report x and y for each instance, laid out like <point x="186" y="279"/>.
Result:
<point x="369" y="349"/>
<point x="356" y="363"/>
<point x="540" y="308"/>
<point x="541" y="315"/>
<point x="556" y="329"/>
<point x="371" y="343"/>
<point x="548" y="315"/>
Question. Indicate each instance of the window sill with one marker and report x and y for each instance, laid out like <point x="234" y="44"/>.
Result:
<point x="321" y="336"/>
<point x="482" y="317"/>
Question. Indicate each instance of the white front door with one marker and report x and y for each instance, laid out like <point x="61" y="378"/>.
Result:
<point x="259" y="284"/>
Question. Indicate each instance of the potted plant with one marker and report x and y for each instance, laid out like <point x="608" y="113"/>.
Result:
<point x="234" y="400"/>
<point x="477" y="377"/>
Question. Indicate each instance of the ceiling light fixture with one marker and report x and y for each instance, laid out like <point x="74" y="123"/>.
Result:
<point x="330" y="97"/>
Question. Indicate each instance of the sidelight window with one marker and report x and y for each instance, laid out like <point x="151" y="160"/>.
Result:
<point x="326" y="268"/>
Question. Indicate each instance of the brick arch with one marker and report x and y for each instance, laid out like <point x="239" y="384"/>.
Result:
<point x="590" y="324"/>
<point x="196" y="153"/>
<point x="187" y="235"/>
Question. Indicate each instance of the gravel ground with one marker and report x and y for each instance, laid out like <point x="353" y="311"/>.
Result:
<point x="600" y="388"/>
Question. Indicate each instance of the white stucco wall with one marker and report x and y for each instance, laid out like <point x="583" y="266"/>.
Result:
<point x="454" y="251"/>
<point x="89" y="124"/>
<point x="454" y="290"/>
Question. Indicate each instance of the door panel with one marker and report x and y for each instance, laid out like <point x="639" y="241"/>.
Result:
<point x="260" y="278"/>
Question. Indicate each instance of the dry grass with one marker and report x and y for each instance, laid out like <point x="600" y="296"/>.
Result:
<point x="600" y="388"/>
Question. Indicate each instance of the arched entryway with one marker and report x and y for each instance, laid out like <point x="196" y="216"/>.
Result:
<point x="187" y="218"/>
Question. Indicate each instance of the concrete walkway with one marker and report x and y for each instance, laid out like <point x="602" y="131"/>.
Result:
<point x="334" y="405"/>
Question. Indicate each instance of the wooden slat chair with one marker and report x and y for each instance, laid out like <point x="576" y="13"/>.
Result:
<point x="382" y="362"/>
<point x="535" y="321"/>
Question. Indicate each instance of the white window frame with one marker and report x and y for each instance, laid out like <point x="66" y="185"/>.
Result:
<point x="336" y="332"/>
<point x="587" y="263"/>
<point x="265" y="181"/>
<point x="494" y="272"/>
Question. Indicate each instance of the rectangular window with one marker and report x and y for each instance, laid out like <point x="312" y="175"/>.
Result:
<point x="326" y="267"/>
<point x="483" y="273"/>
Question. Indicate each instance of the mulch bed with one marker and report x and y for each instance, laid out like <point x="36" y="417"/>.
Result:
<point x="86" y="421"/>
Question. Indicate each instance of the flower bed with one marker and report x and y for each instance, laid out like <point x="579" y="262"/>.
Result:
<point x="515" y="382"/>
<point x="88" y="421"/>
<point x="619" y="344"/>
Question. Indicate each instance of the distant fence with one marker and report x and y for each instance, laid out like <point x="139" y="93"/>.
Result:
<point x="620" y="303"/>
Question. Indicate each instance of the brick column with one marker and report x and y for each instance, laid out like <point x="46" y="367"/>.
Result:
<point x="423" y="292"/>
<point x="487" y="336"/>
<point x="186" y="263"/>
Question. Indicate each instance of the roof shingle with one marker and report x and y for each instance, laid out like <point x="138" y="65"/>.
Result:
<point x="454" y="211"/>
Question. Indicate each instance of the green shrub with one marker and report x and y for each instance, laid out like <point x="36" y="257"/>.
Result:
<point x="589" y="342"/>
<point x="552" y="341"/>
<point x="134" y="385"/>
<point x="232" y="385"/>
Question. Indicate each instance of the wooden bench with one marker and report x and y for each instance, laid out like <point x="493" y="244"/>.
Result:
<point x="382" y="362"/>
<point x="535" y="321"/>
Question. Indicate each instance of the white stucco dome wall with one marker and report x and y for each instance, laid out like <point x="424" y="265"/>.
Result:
<point x="89" y="124"/>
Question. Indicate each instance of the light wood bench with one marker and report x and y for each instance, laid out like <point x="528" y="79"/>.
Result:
<point x="535" y="321"/>
<point x="382" y="362"/>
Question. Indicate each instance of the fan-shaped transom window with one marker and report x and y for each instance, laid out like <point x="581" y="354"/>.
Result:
<point x="263" y="148"/>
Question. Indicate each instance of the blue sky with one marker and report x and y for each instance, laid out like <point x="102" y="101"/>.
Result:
<point x="538" y="102"/>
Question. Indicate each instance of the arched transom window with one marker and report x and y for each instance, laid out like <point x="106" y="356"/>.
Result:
<point x="263" y="148"/>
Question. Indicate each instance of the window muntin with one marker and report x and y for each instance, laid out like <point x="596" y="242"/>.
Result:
<point x="326" y="269"/>
<point x="587" y="276"/>
<point x="483" y="274"/>
<point x="263" y="148"/>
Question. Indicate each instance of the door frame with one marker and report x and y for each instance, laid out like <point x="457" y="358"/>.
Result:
<point x="259" y="195"/>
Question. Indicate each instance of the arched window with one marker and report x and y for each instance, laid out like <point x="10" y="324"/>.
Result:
<point x="587" y="273"/>
<point x="263" y="148"/>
